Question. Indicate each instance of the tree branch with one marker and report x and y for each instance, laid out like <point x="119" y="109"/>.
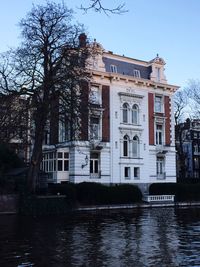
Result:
<point x="97" y="6"/>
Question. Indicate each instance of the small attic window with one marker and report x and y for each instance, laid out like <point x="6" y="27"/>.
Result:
<point x="136" y="73"/>
<point x="113" y="68"/>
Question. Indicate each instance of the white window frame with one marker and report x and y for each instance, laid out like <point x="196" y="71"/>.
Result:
<point x="125" y="112"/>
<point x="136" y="170"/>
<point x="95" y="95"/>
<point x="159" y="135"/>
<point x="95" y="129"/>
<point x="158" y="104"/>
<point x="125" y="144"/>
<point x="135" y="147"/>
<point x="135" y="114"/>
<point x="52" y="159"/>
<point x="160" y="168"/>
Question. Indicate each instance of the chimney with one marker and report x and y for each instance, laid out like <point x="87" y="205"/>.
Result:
<point x="82" y="40"/>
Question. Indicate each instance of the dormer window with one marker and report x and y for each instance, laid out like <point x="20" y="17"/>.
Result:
<point x="136" y="73"/>
<point x="113" y="68"/>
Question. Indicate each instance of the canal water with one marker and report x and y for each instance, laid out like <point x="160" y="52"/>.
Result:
<point x="154" y="237"/>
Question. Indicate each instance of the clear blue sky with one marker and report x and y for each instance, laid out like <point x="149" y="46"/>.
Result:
<point x="168" y="27"/>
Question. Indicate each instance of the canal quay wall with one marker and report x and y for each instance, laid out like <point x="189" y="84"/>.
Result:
<point x="138" y="206"/>
<point x="9" y="204"/>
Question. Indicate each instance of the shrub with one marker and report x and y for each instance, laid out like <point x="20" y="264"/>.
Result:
<point x="92" y="193"/>
<point x="95" y="193"/>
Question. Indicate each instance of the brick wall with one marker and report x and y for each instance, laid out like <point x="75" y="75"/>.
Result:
<point x="167" y="121"/>
<point x="84" y="111"/>
<point x="151" y="118"/>
<point x="106" y="113"/>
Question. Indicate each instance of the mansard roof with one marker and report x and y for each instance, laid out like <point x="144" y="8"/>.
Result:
<point x="127" y="68"/>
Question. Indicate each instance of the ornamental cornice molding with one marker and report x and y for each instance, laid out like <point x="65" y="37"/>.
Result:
<point x="116" y="77"/>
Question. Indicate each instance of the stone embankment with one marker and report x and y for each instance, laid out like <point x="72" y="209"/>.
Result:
<point x="9" y="204"/>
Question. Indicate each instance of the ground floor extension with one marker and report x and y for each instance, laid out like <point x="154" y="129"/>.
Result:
<point x="97" y="162"/>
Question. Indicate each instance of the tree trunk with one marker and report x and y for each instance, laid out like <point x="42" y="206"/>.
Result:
<point x="36" y="158"/>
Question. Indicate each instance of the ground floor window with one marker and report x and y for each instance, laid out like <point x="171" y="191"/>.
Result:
<point x="94" y="165"/>
<point x="55" y="161"/>
<point x="127" y="172"/>
<point x="160" y="168"/>
<point x="136" y="173"/>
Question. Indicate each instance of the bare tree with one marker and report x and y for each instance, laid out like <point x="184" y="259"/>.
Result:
<point x="13" y="110"/>
<point x="193" y="92"/>
<point x="98" y="6"/>
<point x="180" y="103"/>
<point x="49" y="68"/>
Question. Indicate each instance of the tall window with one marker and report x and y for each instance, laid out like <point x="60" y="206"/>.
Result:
<point x="135" y="113"/>
<point x="94" y="128"/>
<point x="95" y="95"/>
<point x="125" y="112"/>
<point x="158" y="104"/>
<point x="159" y="134"/>
<point x="113" y="68"/>
<point x="135" y="146"/>
<point x="64" y="130"/>
<point x="94" y="165"/>
<point x="160" y="168"/>
<point x="125" y="146"/>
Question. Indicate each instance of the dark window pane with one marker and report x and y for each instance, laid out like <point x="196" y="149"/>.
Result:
<point x="91" y="166"/>
<point x="66" y="165"/>
<point x="60" y="155"/>
<point x="96" y="167"/>
<point x="66" y="155"/>
<point x="60" y="167"/>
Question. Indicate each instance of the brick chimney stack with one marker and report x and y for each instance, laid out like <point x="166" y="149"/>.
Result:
<point x="82" y="40"/>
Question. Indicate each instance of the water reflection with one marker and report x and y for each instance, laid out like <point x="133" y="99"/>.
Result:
<point x="151" y="237"/>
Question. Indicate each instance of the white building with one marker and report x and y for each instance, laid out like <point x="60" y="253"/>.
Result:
<point x="129" y="131"/>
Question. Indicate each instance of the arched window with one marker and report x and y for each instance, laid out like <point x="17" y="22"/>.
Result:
<point x="135" y="113"/>
<point x="135" y="146"/>
<point x="125" y="145"/>
<point x="125" y="112"/>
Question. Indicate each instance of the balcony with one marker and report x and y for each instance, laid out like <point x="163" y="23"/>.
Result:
<point x="162" y="148"/>
<point x="159" y="198"/>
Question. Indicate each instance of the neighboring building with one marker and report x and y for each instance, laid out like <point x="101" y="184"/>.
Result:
<point x="127" y="135"/>
<point x="188" y="149"/>
<point x="14" y="120"/>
